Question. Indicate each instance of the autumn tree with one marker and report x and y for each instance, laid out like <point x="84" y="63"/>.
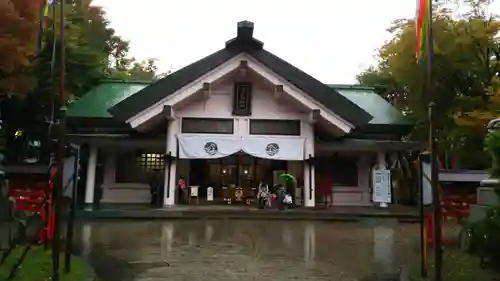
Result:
<point x="93" y="52"/>
<point x="18" y="30"/>
<point x="466" y="60"/>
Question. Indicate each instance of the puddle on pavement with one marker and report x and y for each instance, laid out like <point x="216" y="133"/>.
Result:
<point x="245" y="250"/>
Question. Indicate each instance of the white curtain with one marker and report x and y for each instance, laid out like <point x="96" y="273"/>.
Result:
<point x="275" y="148"/>
<point x="208" y="146"/>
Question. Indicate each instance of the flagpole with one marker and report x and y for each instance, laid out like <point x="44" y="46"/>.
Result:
<point x="53" y="69"/>
<point x="438" y="255"/>
<point x="58" y="187"/>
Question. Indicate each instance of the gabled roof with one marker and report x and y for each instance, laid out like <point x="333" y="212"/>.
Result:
<point x="243" y="43"/>
<point x="96" y="102"/>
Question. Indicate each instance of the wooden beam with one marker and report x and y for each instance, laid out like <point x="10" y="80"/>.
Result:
<point x="316" y="115"/>
<point x="278" y="92"/>
<point x="168" y="112"/>
<point x="207" y="92"/>
<point x="242" y="71"/>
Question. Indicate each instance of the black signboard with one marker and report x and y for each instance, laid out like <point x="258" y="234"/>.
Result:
<point x="242" y="100"/>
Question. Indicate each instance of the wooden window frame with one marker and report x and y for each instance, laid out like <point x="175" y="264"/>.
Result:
<point x="150" y="162"/>
<point x="207" y="130"/>
<point x="274" y="123"/>
<point x="346" y="163"/>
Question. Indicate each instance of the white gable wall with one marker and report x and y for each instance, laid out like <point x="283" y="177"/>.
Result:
<point x="264" y="106"/>
<point x="226" y="69"/>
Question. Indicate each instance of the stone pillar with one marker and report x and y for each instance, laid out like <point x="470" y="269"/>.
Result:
<point x="381" y="163"/>
<point x="173" y="129"/>
<point x="90" y="183"/>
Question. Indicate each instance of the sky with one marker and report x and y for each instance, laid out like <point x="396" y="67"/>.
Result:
<point x="332" y="40"/>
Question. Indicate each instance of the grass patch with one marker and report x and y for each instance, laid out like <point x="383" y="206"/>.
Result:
<point x="457" y="266"/>
<point x="37" y="266"/>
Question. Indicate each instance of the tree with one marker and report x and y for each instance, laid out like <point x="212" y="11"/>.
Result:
<point x="93" y="52"/>
<point x="18" y="28"/>
<point x="466" y="61"/>
<point x="477" y="119"/>
<point x="485" y="234"/>
<point x="125" y="68"/>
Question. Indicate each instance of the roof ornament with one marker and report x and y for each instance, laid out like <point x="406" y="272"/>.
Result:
<point x="244" y="37"/>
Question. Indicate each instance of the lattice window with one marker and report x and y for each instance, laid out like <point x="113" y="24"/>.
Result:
<point x="149" y="162"/>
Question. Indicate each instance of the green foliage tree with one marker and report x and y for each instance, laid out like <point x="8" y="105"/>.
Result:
<point x="93" y="51"/>
<point x="485" y="234"/>
<point x="467" y="56"/>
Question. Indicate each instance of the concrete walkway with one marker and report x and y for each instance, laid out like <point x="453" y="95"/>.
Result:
<point x="403" y="214"/>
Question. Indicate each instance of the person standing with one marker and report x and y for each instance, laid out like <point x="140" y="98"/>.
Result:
<point x="280" y="196"/>
<point x="263" y="195"/>
<point x="181" y="190"/>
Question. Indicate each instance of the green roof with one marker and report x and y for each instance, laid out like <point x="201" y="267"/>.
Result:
<point x="382" y="111"/>
<point x="96" y="102"/>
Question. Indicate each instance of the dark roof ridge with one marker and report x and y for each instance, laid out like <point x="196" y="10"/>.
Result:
<point x="351" y="86"/>
<point x="124" y="81"/>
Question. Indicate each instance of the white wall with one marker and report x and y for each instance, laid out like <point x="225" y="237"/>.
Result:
<point x="220" y="105"/>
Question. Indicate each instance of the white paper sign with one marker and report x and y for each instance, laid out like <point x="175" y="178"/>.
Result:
<point x="381" y="186"/>
<point x="210" y="193"/>
<point x="194" y="190"/>
<point x="426" y="183"/>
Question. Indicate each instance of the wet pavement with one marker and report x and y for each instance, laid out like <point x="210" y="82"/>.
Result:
<point x="246" y="250"/>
